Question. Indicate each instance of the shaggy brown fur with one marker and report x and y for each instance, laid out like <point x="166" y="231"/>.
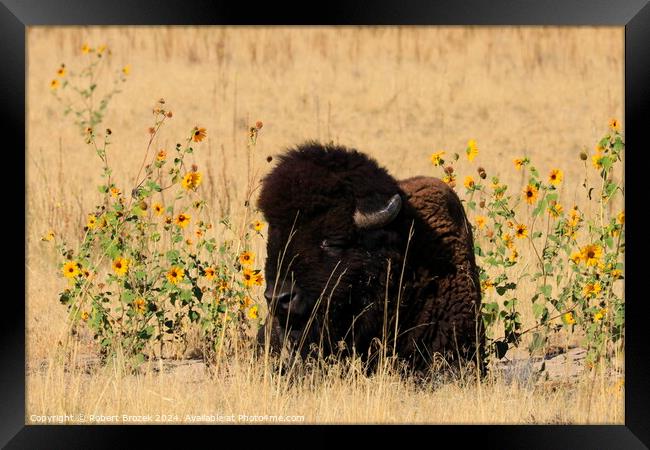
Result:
<point x="344" y="280"/>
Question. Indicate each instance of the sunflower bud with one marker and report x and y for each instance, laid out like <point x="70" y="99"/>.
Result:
<point x="482" y="204"/>
<point x="583" y="156"/>
<point x="259" y="124"/>
<point x="449" y="170"/>
<point x="195" y="167"/>
<point x="456" y="156"/>
<point x="143" y="205"/>
<point x="482" y="173"/>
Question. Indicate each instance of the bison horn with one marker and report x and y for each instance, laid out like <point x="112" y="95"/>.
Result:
<point x="376" y="219"/>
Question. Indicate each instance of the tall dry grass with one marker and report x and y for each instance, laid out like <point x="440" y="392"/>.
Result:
<point x="395" y="93"/>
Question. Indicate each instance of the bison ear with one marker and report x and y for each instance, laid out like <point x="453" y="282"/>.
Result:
<point x="378" y="216"/>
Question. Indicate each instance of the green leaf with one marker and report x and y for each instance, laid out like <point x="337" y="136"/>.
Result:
<point x="128" y="296"/>
<point x="546" y="290"/>
<point x="193" y="315"/>
<point x="538" y="310"/>
<point x="172" y="256"/>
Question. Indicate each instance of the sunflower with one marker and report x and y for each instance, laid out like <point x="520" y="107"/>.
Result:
<point x="246" y="258"/>
<point x="597" y="160"/>
<point x="530" y="194"/>
<point x="450" y="180"/>
<point x="574" y="217"/>
<point x="555" y="210"/>
<point x="555" y="177"/>
<point x="48" y="236"/>
<point x="247" y="301"/>
<point x="252" y="312"/>
<point x="126" y="70"/>
<point x="514" y="254"/>
<point x="54" y="84"/>
<point x="161" y="156"/>
<point x="61" y="72"/>
<point x="158" y="209"/>
<point x="591" y="254"/>
<point x="259" y="279"/>
<point x="85" y="49"/>
<point x="519" y="163"/>
<point x="115" y="192"/>
<point x="168" y="220"/>
<point x="223" y="285"/>
<point x="615" y="125"/>
<point x="507" y="240"/>
<point x="568" y="318"/>
<point x="85" y="315"/>
<point x="521" y="231"/>
<point x="175" y="275"/>
<point x="120" y="266"/>
<point x="198" y="233"/>
<point x="198" y="134"/>
<point x="436" y="158"/>
<point x="249" y="277"/>
<point x="471" y="150"/>
<point x="182" y="220"/>
<point x="617" y="273"/>
<point x="257" y="225"/>
<point x="92" y="221"/>
<point x="591" y="289"/>
<point x="71" y="269"/>
<point x="486" y="284"/>
<point x="576" y="257"/>
<point x="209" y="273"/>
<point x="620" y="218"/>
<point x="480" y="221"/>
<point x="101" y="49"/>
<point x="191" y="180"/>
<point x="469" y="182"/>
<point x="598" y="316"/>
<point x="139" y="305"/>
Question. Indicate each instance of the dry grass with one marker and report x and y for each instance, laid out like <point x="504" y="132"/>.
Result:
<point x="396" y="93"/>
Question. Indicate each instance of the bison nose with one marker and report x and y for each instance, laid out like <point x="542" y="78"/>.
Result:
<point x="281" y="298"/>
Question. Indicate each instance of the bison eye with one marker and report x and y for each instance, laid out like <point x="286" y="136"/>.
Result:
<point x="333" y="244"/>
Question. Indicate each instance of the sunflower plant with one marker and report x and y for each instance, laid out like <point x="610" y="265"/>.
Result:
<point x="148" y="267"/>
<point x="577" y="259"/>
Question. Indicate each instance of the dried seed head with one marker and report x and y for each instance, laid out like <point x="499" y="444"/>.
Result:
<point x="269" y="159"/>
<point x="195" y="167"/>
<point x="482" y="173"/>
<point x="259" y="124"/>
<point x="583" y="156"/>
<point x="449" y="170"/>
<point x="482" y="204"/>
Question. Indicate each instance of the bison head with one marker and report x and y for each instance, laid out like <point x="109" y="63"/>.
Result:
<point x="334" y="225"/>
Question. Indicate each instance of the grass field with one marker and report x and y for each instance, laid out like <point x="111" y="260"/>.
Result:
<point x="398" y="94"/>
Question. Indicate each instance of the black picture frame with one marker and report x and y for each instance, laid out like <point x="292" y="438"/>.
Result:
<point x="634" y="15"/>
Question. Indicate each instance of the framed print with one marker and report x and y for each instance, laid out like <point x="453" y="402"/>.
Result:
<point x="412" y="215"/>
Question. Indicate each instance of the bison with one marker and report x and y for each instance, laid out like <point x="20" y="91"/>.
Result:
<point x="356" y="258"/>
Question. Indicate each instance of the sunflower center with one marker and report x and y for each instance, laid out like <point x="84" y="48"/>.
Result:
<point x="590" y="254"/>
